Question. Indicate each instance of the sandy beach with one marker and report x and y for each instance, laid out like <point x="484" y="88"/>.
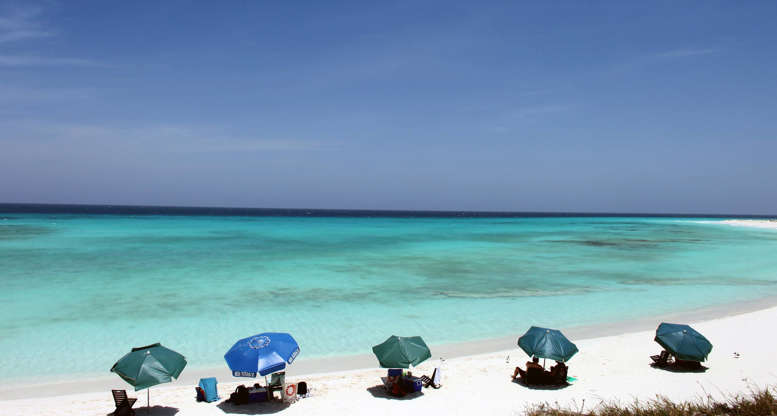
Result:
<point x="607" y="368"/>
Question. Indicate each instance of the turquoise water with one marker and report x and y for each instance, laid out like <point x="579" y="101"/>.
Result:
<point x="79" y="291"/>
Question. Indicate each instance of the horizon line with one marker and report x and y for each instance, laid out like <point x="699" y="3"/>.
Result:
<point x="449" y="212"/>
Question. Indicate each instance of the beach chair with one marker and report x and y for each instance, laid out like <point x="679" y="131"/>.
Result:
<point x="277" y="380"/>
<point x="240" y="395"/>
<point x="558" y="375"/>
<point x="534" y="376"/>
<point x="393" y="385"/>
<point x="433" y="381"/>
<point x="123" y="403"/>
<point x="662" y="359"/>
<point x="209" y="388"/>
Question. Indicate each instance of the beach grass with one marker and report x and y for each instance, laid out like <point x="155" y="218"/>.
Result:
<point x="759" y="402"/>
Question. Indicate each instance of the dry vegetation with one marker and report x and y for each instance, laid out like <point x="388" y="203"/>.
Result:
<point x="761" y="402"/>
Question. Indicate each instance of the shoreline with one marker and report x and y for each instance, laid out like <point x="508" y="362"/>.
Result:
<point x="609" y="369"/>
<point x="16" y="389"/>
<point x="770" y="224"/>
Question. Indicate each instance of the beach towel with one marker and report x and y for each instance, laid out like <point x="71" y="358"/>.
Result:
<point x="437" y="377"/>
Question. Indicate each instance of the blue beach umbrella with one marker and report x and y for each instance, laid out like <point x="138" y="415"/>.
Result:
<point x="262" y="354"/>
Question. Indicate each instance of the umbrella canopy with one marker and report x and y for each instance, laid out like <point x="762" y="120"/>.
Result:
<point x="263" y="353"/>
<point x="547" y="343"/>
<point x="148" y="366"/>
<point x="683" y="341"/>
<point x="401" y="352"/>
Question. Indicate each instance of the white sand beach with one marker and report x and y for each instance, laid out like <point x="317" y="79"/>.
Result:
<point x="607" y="368"/>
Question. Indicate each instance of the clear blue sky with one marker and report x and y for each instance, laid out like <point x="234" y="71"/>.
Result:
<point x="542" y="106"/>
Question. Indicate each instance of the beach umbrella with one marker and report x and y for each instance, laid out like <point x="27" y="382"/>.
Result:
<point x="547" y="343"/>
<point x="148" y="366"/>
<point x="683" y="341"/>
<point x="262" y="354"/>
<point x="401" y="352"/>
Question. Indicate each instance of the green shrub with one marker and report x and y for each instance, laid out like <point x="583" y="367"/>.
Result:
<point x="760" y="402"/>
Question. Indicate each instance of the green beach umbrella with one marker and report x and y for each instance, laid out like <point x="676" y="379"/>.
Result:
<point x="547" y="343"/>
<point x="683" y="341"/>
<point x="148" y="366"/>
<point x="401" y="352"/>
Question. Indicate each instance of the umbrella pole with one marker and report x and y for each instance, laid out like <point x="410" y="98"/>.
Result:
<point x="148" y="401"/>
<point x="543" y="363"/>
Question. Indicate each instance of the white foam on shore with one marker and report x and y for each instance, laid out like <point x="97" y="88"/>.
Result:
<point x="765" y="224"/>
<point x="770" y="224"/>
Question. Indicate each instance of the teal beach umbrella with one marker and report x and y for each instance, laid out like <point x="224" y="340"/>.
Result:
<point x="547" y="343"/>
<point x="401" y="352"/>
<point x="148" y="366"/>
<point x="683" y="341"/>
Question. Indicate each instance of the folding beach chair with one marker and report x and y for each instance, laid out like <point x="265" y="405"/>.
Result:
<point x="662" y="359"/>
<point x="557" y="375"/>
<point x="276" y="382"/>
<point x="123" y="403"/>
<point x="434" y="380"/>
<point x="534" y="376"/>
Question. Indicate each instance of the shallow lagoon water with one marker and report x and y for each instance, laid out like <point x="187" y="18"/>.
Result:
<point x="79" y="290"/>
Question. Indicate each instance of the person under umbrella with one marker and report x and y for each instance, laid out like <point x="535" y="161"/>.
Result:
<point x="547" y="343"/>
<point x="687" y="345"/>
<point x="401" y="352"/>
<point x="262" y="354"/>
<point x="144" y="367"/>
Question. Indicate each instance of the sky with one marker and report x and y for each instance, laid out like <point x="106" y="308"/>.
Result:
<point x="651" y="107"/>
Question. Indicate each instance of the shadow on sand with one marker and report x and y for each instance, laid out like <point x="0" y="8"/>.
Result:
<point x="380" y="392"/>
<point x="680" y="369"/>
<point x="541" y="386"/>
<point x="154" y="411"/>
<point x="259" y="408"/>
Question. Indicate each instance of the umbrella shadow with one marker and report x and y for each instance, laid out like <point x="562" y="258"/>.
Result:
<point x="154" y="411"/>
<point x="258" y="408"/>
<point x="680" y="369"/>
<point x="380" y="392"/>
<point x="540" y="386"/>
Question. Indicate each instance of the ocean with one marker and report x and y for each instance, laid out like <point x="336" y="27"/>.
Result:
<point x="81" y="285"/>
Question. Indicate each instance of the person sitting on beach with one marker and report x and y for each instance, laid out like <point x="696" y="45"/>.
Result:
<point x="559" y="371"/>
<point x="535" y="362"/>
